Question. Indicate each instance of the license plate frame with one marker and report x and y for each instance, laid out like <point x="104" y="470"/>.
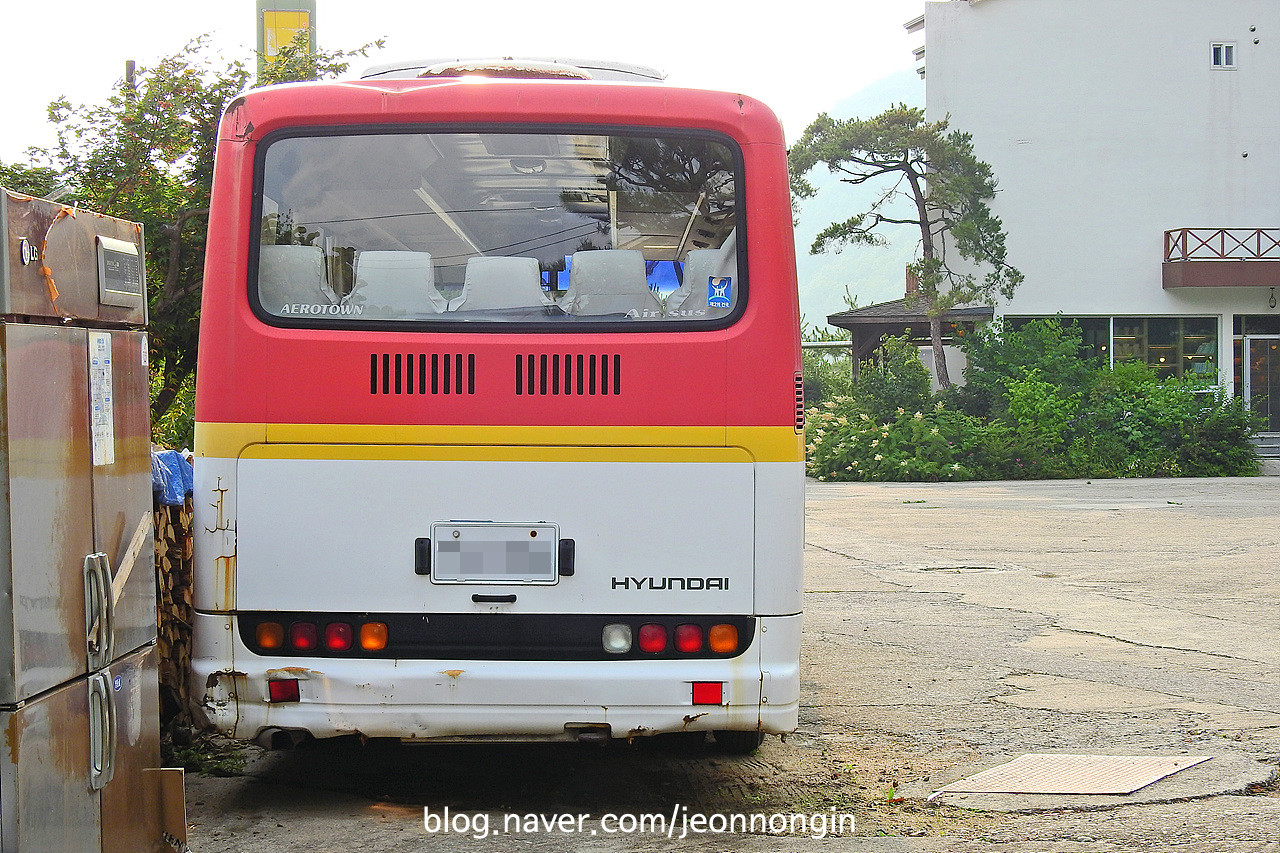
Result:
<point x="503" y="553"/>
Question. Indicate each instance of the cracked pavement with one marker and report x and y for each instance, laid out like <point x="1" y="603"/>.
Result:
<point x="1104" y="617"/>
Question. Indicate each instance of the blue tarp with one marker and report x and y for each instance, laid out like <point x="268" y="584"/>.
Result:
<point x="170" y="477"/>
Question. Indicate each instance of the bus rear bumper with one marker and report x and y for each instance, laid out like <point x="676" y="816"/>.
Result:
<point x="430" y="700"/>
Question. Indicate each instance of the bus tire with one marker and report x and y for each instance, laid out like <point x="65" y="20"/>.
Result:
<point x="738" y="743"/>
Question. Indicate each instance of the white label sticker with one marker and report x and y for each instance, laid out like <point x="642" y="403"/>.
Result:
<point x="102" y="419"/>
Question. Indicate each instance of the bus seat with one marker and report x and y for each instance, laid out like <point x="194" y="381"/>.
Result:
<point x="610" y="281"/>
<point x="499" y="282"/>
<point x="690" y="301"/>
<point x="398" y="284"/>
<point x="291" y="274"/>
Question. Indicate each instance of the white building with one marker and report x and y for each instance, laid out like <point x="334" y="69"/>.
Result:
<point x="1137" y="148"/>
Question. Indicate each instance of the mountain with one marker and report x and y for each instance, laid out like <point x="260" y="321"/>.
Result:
<point x="871" y="273"/>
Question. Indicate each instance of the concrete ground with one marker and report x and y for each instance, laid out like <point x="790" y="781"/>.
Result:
<point x="1104" y="617"/>
<point x="949" y="628"/>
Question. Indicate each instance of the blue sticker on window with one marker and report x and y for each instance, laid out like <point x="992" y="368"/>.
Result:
<point x="719" y="292"/>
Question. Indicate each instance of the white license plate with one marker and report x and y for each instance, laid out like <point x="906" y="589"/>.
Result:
<point x="494" y="552"/>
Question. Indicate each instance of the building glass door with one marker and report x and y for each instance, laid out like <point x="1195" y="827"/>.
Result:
<point x="1261" y="375"/>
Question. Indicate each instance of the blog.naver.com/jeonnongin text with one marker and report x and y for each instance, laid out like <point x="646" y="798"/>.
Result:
<point x="676" y="824"/>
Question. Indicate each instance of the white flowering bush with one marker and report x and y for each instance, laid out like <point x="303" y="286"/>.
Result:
<point x="846" y="444"/>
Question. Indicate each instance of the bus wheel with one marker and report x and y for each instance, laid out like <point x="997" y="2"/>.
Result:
<point x="739" y="743"/>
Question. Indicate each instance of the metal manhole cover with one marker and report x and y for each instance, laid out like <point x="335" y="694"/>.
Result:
<point x="1038" y="773"/>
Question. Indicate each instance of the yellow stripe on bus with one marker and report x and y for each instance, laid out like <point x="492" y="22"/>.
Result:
<point x="495" y="453"/>
<point x="631" y="443"/>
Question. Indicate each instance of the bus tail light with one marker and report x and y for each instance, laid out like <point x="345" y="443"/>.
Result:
<point x="616" y="638"/>
<point x="723" y="639"/>
<point x="283" y="690"/>
<point x="373" y="636"/>
<point x="689" y="638"/>
<point x="304" y="636"/>
<point x="269" y="635"/>
<point x="708" y="693"/>
<point x="337" y="636"/>
<point x="653" y="638"/>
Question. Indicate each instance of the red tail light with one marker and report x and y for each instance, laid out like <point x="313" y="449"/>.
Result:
<point x="304" y="636"/>
<point x="653" y="638"/>
<point x="337" y="636"/>
<point x="688" y="638"/>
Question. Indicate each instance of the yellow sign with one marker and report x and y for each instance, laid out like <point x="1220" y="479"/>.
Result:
<point x="281" y="27"/>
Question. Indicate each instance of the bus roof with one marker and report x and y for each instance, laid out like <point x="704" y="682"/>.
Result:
<point x="593" y="69"/>
<point x="496" y="100"/>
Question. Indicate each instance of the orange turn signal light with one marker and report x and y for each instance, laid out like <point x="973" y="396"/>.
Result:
<point x="723" y="639"/>
<point x="373" y="636"/>
<point x="269" y="635"/>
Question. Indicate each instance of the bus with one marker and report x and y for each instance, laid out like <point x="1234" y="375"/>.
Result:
<point x="499" y="412"/>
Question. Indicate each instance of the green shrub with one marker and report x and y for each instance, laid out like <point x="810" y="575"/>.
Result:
<point x="1040" y="414"/>
<point x="847" y="444"/>
<point x="999" y="355"/>
<point x="1216" y="442"/>
<point x="1058" y="417"/>
<point x="894" y="379"/>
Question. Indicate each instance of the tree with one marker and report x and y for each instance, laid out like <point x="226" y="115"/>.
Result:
<point x="147" y="155"/>
<point x="945" y="186"/>
<point x="33" y="180"/>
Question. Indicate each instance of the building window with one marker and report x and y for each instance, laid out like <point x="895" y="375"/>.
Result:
<point x="1173" y="346"/>
<point x="1224" y="55"/>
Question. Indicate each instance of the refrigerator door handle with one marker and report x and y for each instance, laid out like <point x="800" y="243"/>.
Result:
<point x="102" y="731"/>
<point x="108" y="612"/>
<point x="99" y="611"/>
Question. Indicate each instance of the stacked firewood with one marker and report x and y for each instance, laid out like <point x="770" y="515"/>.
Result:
<point x="173" y="568"/>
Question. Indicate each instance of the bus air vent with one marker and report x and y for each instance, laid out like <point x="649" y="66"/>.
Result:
<point x="568" y="374"/>
<point x="422" y="373"/>
<point x="800" y="403"/>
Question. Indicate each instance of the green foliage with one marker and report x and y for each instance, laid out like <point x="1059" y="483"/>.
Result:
<point x="827" y="372"/>
<point x="1056" y="416"/>
<point x="39" y="181"/>
<point x="146" y="154"/>
<point x="934" y="170"/>
<point x="1134" y="425"/>
<point x="175" y="427"/>
<point x="1216" y="442"/>
<point x="1039" y="412"/>
<point x="207" y="753"/>
<point x="894" y="379"/>
<point x="844" y="444"/>
<point x="998" y="355"/>
<point x="295" y="61"/>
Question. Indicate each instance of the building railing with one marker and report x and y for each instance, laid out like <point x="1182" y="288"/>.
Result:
<point x="1222" y="244"/>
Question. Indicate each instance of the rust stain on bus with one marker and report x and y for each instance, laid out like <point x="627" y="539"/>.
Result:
<point x="225" y="565"/>
<point x="299" y="672"/>
<point x="227" y="573"/>
<point x="693" y="718"/>
<point x="13" y="736"/>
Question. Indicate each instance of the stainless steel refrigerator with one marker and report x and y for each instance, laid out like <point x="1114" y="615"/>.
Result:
<point x="78" y="688"/>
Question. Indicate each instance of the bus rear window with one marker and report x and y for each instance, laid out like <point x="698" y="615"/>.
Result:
<point x="389" y="229"/>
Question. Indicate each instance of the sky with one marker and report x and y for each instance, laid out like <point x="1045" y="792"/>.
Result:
<point x="800" y="58"/>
